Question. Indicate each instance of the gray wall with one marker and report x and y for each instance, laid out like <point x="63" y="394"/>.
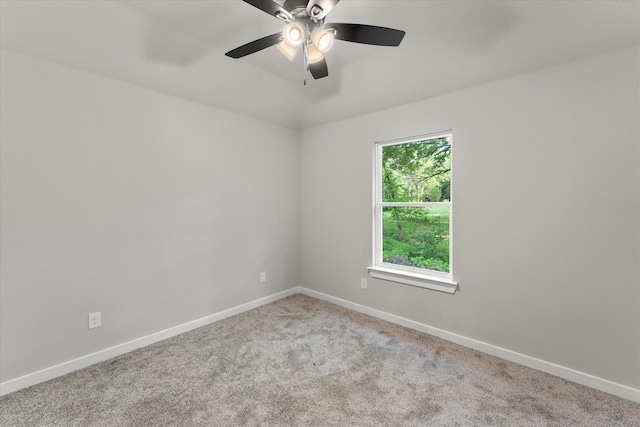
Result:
<point x="153" y="210"/>
<point x="157" y="211"/>
<point x="546" y="193"/>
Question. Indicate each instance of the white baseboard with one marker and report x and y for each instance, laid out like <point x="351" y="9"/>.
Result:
<point x="588" y="380"/>
<point x="569" y="374"/>
<point x="90" y="359"/>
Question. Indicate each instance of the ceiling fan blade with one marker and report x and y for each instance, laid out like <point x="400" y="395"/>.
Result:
<point x="367" y="34"/>
<point x="319" y="69"/>
<point x="255" y="46"/>
<point x="324" y="5"/>
<point x="271" y="8"/>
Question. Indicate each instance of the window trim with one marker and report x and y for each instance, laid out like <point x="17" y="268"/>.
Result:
<point x="414" y="276"/>
<point x="435" y="283"/>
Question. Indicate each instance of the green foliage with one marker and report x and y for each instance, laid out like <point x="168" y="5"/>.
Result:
<point x="424" y="241"/>
<point x="417" y="172"/>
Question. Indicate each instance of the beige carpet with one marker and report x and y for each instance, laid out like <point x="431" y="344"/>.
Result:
<point x="304" y="362"/>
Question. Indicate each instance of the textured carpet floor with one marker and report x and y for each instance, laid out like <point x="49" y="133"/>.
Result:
<point x="304" y="362"/>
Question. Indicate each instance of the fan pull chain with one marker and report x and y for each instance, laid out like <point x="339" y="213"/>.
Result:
<point x="306" y="65"/>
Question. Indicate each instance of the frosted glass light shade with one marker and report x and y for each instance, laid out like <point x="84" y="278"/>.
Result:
<point x="288" y="50"/>
<point x="323" y="39"/>
<point x="313" y="54"/>
<point x="294" y="34"/>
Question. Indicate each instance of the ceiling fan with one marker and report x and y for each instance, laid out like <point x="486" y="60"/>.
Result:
<point x="305" y="26"/>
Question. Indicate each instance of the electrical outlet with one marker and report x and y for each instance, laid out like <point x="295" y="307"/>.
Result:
<point x="363" y="283"/>
<point x="263" y="277"/>
<point x="95" y="320"/>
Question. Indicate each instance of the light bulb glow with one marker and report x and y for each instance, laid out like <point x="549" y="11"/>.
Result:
<point x="323" y="39"/>
<point x="294" y="34"/>
<point x="325" y="42"/>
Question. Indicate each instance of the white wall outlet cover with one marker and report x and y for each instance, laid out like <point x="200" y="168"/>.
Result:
<point x="95" y="320"/>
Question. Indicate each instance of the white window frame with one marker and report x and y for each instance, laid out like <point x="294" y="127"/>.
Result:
<point x="414" y="276"/>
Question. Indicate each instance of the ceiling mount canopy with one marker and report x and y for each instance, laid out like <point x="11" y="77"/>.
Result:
<point x="305" y="26"/>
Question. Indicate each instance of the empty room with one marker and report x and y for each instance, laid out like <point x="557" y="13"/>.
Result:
<point x="319" y="212"/>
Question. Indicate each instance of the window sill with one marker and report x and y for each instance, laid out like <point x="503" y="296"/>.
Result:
<point x="414" y="279"/>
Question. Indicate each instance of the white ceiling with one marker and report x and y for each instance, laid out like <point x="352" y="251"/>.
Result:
<point x="177" y="47"/>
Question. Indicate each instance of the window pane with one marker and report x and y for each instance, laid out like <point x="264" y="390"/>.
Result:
<point x="417" y="172"/>
<point x="416" y="237"/>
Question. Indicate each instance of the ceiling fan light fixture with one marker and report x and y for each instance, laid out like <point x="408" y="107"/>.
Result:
<point x="304" y="22"/>
<point x="288" y="50"/>
<point x="294" y="34"/>
<point x="313" y="54"/>
<point x="322" y="38"/>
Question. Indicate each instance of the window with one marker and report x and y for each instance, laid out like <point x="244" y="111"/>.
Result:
<point x="413" y="211"/>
